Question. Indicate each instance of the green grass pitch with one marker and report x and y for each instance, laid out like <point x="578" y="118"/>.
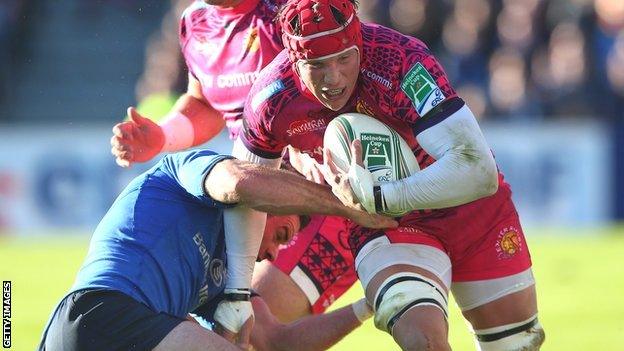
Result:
<point x="580" y="287"/>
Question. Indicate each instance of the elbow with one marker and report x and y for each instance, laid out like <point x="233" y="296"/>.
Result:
<point x="226" y="182"/>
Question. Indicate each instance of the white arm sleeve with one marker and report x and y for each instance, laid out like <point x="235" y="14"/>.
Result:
<point x="244" y="228"/>
<point x="464" y="169"/>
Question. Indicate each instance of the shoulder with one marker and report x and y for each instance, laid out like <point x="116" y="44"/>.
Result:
<point x="274" y="88"/>
<point x="385" y="47"/>
<point x="195" y="17"/>
<point x="271" y="7"/>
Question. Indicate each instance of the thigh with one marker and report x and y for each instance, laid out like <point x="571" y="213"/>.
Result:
<point x="406" y="279"/>
<point x="318" y="261"/>
<point x="105" y="320"/>
<point x="496" y="302"/>
<point x="190" y="336"/>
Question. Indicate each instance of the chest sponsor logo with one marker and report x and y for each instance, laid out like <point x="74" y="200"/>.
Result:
<point x="377" y="155"/>
<point x="266" y="93"/>
<point x="230" y="80"/>
<point x="377" y="78"/>
<point x="305" y="126"/>
<point x="508" y="243"/>
<point x="422" y="89"/>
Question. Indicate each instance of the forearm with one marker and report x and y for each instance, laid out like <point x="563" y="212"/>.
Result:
<point x="464" y="171"/>
<point x="244" y="228"/>
<point x="314" y="333"/>
<point x="282" y="192"/>
<point x="192" y="121"/>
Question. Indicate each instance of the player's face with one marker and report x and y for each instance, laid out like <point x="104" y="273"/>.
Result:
<point x="279" y="230"/>
<point x="223" y="3"/>
<point x="332" y="80"/>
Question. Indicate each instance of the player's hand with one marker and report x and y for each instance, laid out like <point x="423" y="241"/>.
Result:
<point x="355" y="188"/>
<point x="342" y="184"/>
<point x="235" y="320"/>
<point x="306" y="165"/>
<point x="136" y="140"/>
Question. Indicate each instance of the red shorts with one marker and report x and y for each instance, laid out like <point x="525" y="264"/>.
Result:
<point x="483" y="238"/>
<point x="319" y="260"/>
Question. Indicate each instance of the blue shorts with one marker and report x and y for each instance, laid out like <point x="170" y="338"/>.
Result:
<point x="101" y="319"/>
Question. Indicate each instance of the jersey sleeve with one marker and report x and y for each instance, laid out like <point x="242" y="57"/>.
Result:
<point x="191" y="169"/>
<point x="258" y="135"/>
<point x="190" y="15"/>
<point x="424" y="95"/>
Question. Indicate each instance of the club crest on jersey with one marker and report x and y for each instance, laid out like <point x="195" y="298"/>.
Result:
<point x="422" y="89"/>
<point x="251" y="42"/>
<point x="508" y="243"/>
<point x="377" y="155"/>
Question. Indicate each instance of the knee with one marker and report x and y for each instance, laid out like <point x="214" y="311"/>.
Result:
<point x="421" y="338"/>
<point x="526" y="336"/>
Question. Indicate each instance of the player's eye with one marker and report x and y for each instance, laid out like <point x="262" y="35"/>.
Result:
<point x="314" y="65"/>
<point x="282" y="235"/>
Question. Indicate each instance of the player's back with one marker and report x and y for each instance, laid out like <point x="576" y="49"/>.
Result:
<point x="162" y="240"/>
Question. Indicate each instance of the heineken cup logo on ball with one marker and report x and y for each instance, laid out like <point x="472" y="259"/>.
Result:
<point x="377" y="155"/>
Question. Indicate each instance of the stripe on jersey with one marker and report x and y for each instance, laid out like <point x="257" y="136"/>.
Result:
<point x="438" y="114"/>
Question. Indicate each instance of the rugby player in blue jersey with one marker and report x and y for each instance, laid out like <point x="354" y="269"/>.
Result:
<point x="159" y="254"/>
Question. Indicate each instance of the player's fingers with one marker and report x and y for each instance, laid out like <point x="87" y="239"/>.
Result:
<point x="135" y="116"/>
<point x="317" y="174"/>
<point x="122" y="130"/>
<point x="245" y="333"/>
<point x="118" y="144"/>
<point x="122" y="163"/>
<point x="356" y="152"/>
<point x="329" y="163"/>
<point x="226" y="334"/>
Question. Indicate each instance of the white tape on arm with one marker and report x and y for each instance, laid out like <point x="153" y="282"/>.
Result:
<point x="464" y="171"/>
<point x="244" y="229"/>
<point x="179" y="132"/>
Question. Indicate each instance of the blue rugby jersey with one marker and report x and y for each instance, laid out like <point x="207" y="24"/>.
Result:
<point x="162" y="240"/>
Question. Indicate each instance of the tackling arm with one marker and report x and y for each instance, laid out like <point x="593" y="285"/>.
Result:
<point x="464" y="171"/>
<point x="312" y="333"/>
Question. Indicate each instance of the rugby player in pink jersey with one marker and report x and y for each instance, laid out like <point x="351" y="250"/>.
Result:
<point x="463" y="233"/>
<point x="225" y="44"/>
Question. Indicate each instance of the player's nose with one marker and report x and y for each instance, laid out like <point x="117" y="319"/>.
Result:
<point x="271" y="253"/>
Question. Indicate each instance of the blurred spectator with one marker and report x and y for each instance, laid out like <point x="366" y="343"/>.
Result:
<point x="12" y="18"/>
<point x="521" y="58"/>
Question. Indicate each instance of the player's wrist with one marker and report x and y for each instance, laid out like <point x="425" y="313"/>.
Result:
<point x="237" y="294"/>
<point x="362" y="310"/>
<point x="178" y="132"/>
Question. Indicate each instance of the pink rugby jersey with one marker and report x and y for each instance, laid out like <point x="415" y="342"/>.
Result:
<point x="226" y="48"/>
<point x="399" y="83"/>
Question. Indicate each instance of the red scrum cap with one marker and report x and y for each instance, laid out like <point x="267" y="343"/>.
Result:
<point x="316" y="28"/>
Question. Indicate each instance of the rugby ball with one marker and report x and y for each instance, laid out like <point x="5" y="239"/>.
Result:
<point x="385" y="154"/>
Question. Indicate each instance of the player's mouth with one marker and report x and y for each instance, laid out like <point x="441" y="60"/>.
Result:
<point x="332" y="94"/>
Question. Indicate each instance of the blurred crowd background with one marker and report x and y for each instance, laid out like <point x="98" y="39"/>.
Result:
<point x="545" y="77"/>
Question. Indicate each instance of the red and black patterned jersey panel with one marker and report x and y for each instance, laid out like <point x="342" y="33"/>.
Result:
<point x="398" y="77"/>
